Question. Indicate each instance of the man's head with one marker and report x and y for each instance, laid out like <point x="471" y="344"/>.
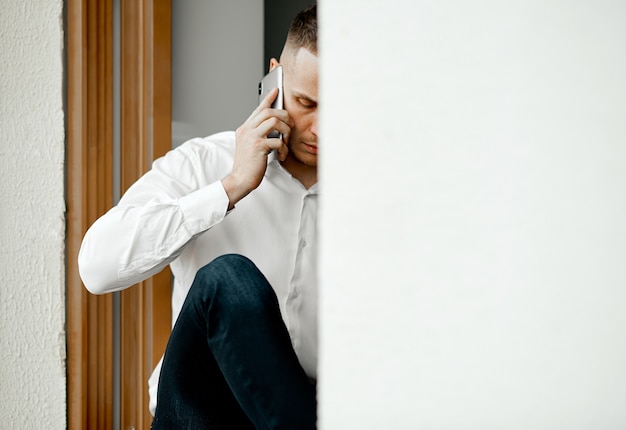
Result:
<point x="300" y="65"/>
<point x="303" y="32"/>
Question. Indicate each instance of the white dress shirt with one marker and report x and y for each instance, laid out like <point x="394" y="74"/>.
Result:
<point x="176" y="214"/>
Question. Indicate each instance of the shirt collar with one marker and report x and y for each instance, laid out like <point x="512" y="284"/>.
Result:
<point x="274" y="167"/>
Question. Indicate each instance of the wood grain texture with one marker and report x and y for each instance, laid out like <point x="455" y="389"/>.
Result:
<point x="89" y="195"/>
<point x="145" y="134"/>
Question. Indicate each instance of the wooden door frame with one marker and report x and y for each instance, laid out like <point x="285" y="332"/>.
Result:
<point x="146" y="118"/>
<point x="145" y="134"/>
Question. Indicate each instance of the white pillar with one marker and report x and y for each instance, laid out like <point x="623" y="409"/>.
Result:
<point x="473" y="215"/>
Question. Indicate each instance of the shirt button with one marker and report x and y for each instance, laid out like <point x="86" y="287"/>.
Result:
<point x="303" y="243"/>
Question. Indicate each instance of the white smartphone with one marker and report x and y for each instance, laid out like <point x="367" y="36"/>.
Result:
<point x="273" y="79"/>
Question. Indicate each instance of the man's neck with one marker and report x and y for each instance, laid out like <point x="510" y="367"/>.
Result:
<point x="307" y="175"/>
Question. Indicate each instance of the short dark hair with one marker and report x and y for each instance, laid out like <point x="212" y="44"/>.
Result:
<point x="303" y="31"/>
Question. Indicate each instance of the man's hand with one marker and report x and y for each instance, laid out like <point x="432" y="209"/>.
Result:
<point x="252" y="148"/>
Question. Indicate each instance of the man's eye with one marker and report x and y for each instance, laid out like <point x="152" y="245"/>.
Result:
<point x="306" y="103"/>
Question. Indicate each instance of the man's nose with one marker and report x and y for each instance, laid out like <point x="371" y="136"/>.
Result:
<point x="314" y="124"/>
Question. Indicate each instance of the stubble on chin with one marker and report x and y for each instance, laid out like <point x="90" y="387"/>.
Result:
<point x="306" y="159"/>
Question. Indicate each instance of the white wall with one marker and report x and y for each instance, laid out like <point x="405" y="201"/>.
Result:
<point x="217" y="56"/>
<point x="473" y="215"/>
<point x="32" y="226"/>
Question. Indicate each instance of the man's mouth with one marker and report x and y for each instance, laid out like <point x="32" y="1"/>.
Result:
<point x="312" y="149"/>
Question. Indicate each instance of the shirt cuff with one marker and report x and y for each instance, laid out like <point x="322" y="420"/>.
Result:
<point x="204" y="208"/>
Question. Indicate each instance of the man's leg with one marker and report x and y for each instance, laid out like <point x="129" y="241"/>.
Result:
<point x="229" y="362"/>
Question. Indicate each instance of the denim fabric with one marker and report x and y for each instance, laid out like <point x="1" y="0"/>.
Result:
<point x="229" y="362"/>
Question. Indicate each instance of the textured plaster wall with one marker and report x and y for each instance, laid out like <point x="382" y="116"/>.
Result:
<point x="32" y="229"/>
<point x="473" y="215"/>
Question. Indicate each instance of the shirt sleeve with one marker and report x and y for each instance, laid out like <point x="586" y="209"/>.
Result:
<point x="153" y="222"/>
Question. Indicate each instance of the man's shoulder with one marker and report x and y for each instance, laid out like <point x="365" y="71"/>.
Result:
<point x="214" y="150"/>
<point x="200" y="156"/>
<point x="220" y="142"/>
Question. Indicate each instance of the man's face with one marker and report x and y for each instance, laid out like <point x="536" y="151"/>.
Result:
<point x="300" y="94"/>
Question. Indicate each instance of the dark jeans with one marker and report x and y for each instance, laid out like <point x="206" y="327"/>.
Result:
<point x="229" y="362"/>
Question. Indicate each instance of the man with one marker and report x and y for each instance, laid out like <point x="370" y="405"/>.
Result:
<point x="234" y="215"/>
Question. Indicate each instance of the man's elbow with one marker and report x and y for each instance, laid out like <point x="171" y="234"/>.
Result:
<point x="92" y="271"/>
<point x="89" y="275"/>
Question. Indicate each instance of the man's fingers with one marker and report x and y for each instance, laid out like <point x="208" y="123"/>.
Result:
<point x="266" y="103"/>
<point x="269" y="99"/>
<point x="279" y="147"/>
<point x="271" y="124"/>
<point x="281" y="151"/>
<point x="266" y="114"/>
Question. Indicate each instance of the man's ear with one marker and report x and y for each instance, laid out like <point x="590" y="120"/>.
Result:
<point x="273" y="63"/>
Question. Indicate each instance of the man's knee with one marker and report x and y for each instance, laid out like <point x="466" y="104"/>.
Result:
<point x="233" y="280"/>
<point x="232" y="264"/>
<point x="229" y="269"/>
